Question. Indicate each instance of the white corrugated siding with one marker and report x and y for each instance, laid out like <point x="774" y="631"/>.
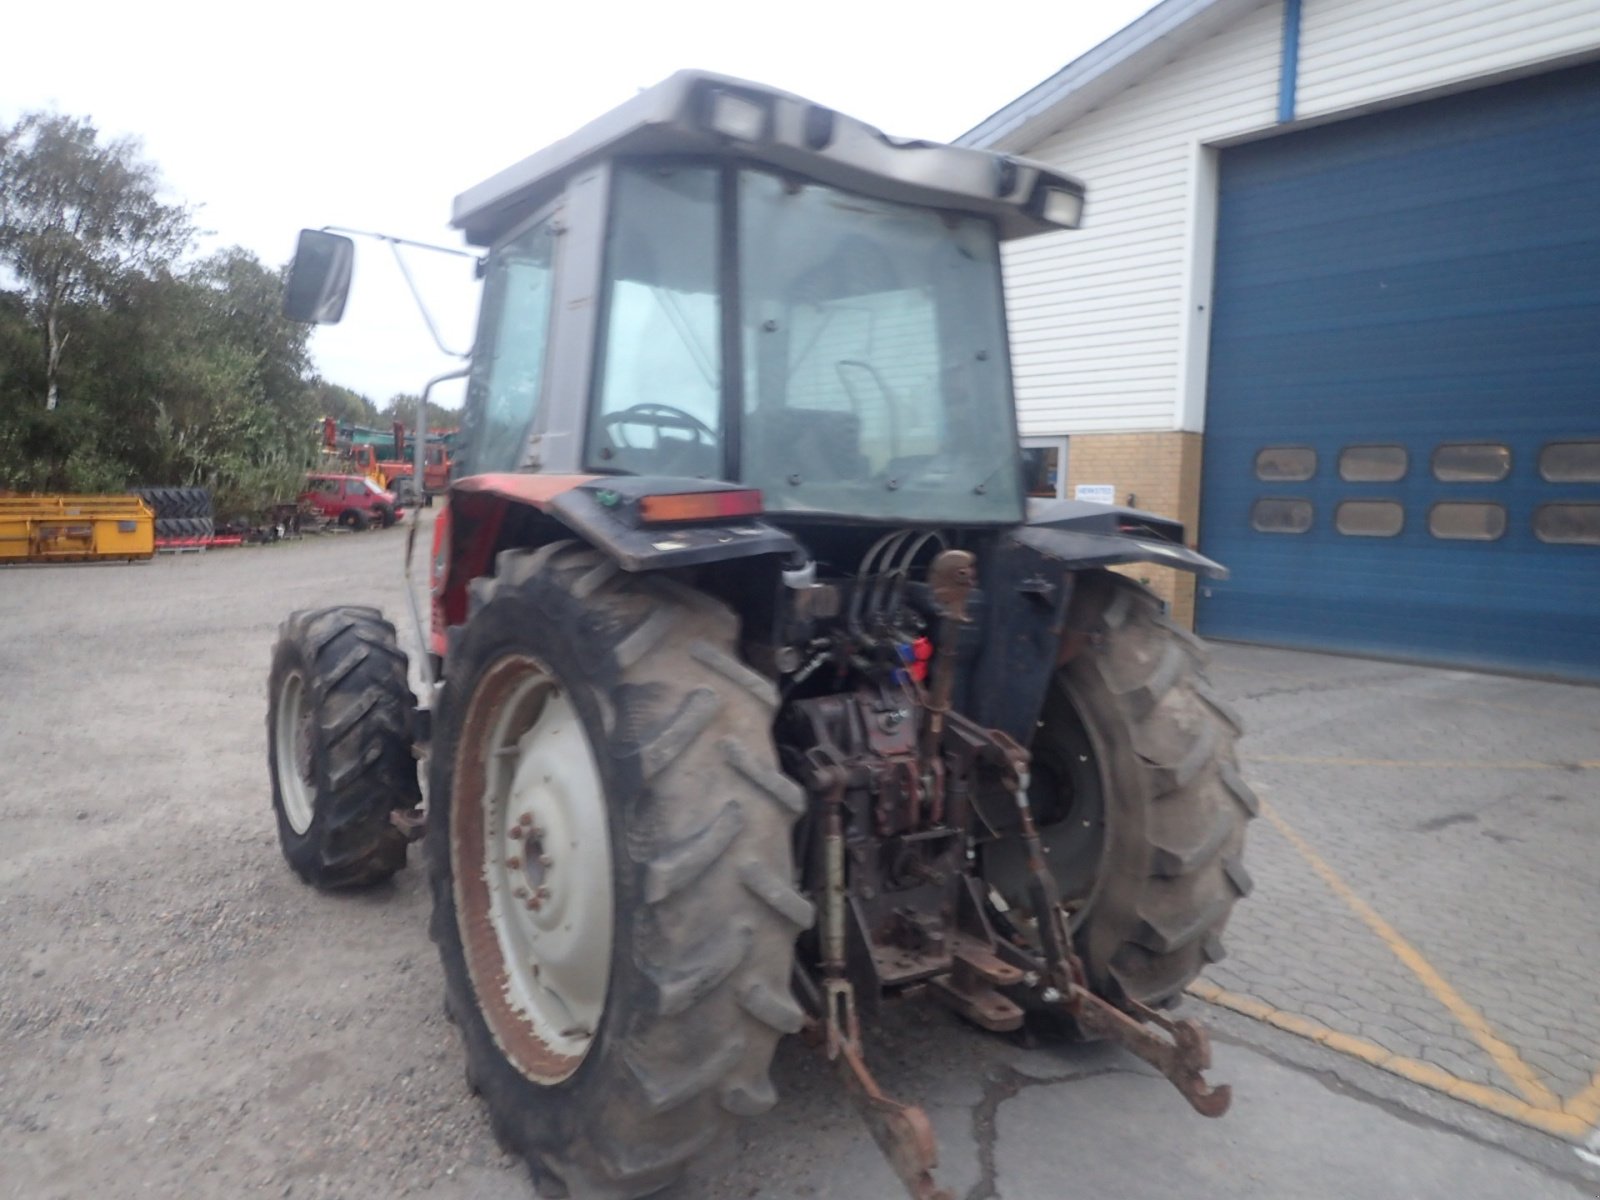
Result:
<point x="1096" y="314"/>
<point x="1359" y="52"/>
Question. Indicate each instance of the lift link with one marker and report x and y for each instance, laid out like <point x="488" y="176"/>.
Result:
<point x="1187" y="1055"/>
<point x="902" y="1131"/>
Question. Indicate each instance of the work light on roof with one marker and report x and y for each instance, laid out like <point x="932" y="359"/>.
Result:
<point x="740" y="117"/>
<point x="1061" y="206"/>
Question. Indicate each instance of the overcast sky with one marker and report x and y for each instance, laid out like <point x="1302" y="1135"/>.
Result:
<point x="275" y="116"/>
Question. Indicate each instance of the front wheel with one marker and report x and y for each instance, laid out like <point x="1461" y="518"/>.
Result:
<point x="339" y="745"/>
<point x="1138" y="797"/>
<point x="609" y="850"/>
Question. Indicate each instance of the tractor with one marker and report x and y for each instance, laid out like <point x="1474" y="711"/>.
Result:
<point x="756" y="696"/>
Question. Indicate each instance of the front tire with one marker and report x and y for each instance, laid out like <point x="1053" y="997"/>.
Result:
<point x="694" y="882"/>
<point x="339" y="746"/>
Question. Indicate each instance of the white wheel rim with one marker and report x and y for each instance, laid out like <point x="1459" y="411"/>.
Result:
<point x="292" y="737"/>
<point x="542" y="845"/>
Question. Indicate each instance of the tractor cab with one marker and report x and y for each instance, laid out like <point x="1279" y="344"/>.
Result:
<point x="722" y="281"/>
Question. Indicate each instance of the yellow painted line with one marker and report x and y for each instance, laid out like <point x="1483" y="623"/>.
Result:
<point x="1586" y="1104"/>
<point x="1549" y="1119"/>
<point x="1507" y="1059"/>
<point x="1455" y="764"/>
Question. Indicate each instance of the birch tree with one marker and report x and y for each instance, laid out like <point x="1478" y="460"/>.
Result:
<point x="78" y="214"/>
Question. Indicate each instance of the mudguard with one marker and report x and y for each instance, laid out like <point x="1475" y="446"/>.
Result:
<point x="1028" y="581"/>
<point x="487" y="513"/>
<point x="1085" y="535"/>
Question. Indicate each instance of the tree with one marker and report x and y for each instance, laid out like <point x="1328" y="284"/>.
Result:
<point x="345" y="405"/>
<point x="403" y="407"/>
<point x="77" y="217"/>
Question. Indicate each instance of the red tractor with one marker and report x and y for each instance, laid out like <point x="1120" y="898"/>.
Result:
<point x="757" y="695"/>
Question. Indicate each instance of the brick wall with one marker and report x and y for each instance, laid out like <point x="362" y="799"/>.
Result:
<point x="1158" y="472"/>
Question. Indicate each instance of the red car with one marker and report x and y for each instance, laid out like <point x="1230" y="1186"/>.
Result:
<point x="352" y="500"/>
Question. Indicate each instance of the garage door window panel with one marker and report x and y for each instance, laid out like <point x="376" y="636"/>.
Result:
<point x="1570" y="462"/>
<point x="1276" y="514"/>
<point x="1369" y="518"/>
<point x="1285" y="464"/>
<point x="1471" y="462"/>
<point x="1470" y="521"/>
<point x="1373" y="464"/>
<point x="1568" y="524"/>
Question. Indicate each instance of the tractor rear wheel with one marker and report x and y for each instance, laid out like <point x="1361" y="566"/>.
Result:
<point x="1137" y="793"/>
<point x="609" y="850"/>
<point x="339" y="745"/>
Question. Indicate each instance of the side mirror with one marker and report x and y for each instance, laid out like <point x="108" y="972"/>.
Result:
<point x="319" y="278"/>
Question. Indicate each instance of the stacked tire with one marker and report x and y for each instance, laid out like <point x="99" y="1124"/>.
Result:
<point x="182" y="513"/>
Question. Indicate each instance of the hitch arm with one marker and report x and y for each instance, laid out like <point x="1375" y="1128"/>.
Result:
<point x="1186" y="1056"/>
<point x="1183" y="1060"/>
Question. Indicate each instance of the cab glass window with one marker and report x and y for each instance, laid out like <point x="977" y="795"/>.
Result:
<point x="1471" y="462"/>
<point x="876" y="380"/>
<point x="659" y="374"/>
<point x="1372" y="464"/>
<point x="508" y="365"/>
<point x="1285" y="463"/>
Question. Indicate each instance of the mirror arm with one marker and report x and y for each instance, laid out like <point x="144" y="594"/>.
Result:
<point x="394" y="244"/>
<point x="422" y="306"/>
<point x="400" y="241"/>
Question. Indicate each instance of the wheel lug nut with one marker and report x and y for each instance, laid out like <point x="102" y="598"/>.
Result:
<point x="513" y="862"/>
<point x="535" y="904"/>
<point x="515" y="833"/>
<point x="526" y="818"/>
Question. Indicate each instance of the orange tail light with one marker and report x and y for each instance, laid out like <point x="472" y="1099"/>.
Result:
<point x="699" y="506"/>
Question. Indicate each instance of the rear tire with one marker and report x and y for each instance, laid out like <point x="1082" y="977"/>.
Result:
<point x="353" y="518"/>
<point x="1139" y="797"/>
<point x="704" y="910"/>
<point x="339" y="746"/>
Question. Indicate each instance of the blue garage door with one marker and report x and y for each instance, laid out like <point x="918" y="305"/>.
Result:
<point x="1402" y="449"/>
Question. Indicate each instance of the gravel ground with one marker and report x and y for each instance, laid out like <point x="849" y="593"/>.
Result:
<point x="173" y="1001"/>
<point x="180" y="1016"/>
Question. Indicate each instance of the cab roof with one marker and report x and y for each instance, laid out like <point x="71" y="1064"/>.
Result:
<point x="699" y="113"/>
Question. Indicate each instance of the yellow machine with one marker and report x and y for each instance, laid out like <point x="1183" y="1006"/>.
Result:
<point x="75" y="528"/>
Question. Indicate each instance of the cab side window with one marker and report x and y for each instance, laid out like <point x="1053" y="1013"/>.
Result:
<point x="508" y="364"/>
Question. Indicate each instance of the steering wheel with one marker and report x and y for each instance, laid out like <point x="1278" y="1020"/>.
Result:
<point x="674" y="455"/>
<point x="658" y="417"/>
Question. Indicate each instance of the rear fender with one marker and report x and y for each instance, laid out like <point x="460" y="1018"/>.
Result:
<point x="486" y="514"/>
<point x="1029" y="579"/>
<point x="1083" y="534"/>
